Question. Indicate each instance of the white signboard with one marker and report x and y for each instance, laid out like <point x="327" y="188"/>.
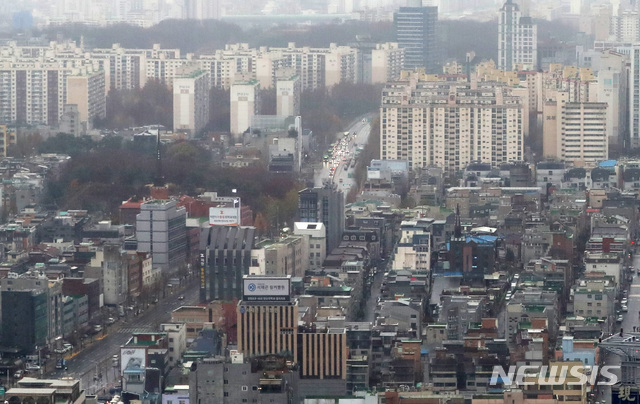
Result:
<point x="132" y="357"/>
<point x="261" y="289"/>
<point x="224" y="216"/>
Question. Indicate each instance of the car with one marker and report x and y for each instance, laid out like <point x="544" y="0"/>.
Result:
<point x="32" y="367"/>
<point x="180" y="297"/>
<point x="624" y="309"/>
<point x="97" y="328"/>
<point x="68" y="347"/>
<point x="111" y="320"/>
<point x="60" y="350"/>
<point x="18" y="374"/>
<point x="624" y="301"/>
<point x="619" y="319"/>
<point x="61" y="364"/>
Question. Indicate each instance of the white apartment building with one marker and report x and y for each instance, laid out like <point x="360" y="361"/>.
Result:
<point x="387" y="61"/>
<point x="634" y="97"/>
<point x="575" y="132"/>
<point x="584" y="132"/>
<point x="625" y="26"/>
<point x="191" y="100"/>
<point x="450" y="124"/>
<point x="288" y="96"/>
<point x="35" y="93"/>
<point x="517" y="39"/>
<point x="245" y="104"/>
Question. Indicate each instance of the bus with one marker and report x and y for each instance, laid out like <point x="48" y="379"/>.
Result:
<point x="325" y="158"/>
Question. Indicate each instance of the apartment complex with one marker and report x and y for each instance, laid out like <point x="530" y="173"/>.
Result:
<point x="517" y="39"/>
<point x="245" y="103"/>
<point x="191" y="100"/>
<point x="35" y="92"/>
<point x="449" y="124"/>
<point x="416" y="34"/>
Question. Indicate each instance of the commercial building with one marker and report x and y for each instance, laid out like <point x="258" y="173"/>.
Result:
<point x="191" y="100"/>
<point x="225" y="257"/>
<point x="267" y="318"/>
<point x="317" y="240"/>
<point x="325" y="205"/>
<point x="245" y="103"/>
<point x="416" y="33"/>
<point x="32" y="310"/>
<point x="517" y="39"/>
<point x="161" y="231"/>
<point x="450" y="124"/>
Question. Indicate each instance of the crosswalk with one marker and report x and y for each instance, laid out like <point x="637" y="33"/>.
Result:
<point x="133" y="330"/>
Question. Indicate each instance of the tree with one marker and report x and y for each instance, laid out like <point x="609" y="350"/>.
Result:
<point x="261" y="224"/>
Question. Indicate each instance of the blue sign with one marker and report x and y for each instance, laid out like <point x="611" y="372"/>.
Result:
<point x="252" y="287"/>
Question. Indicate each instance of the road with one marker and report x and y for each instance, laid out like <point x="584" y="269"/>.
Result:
<point x="94" y="365"/>
<point x="362" y="130"/>
<point x="630" y="320"/>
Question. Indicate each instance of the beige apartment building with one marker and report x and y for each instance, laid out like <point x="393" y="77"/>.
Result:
<point x="387" y="61"/>
<point x="449" y="124"/>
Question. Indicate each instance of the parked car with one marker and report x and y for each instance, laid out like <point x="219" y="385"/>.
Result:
<point x="32" y="367"/>
<point x="68" y="347"/>
<point x="111" y="320"/>
<point x="18" y="374"/>
<point x="180" y="297"/>
<point x="619" y="320"/>
<point x="97" y="328"/>
<point x="624" y="309"/>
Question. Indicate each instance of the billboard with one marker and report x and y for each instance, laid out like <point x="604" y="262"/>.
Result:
<point x="224" y="216"/>
<point x="132" y="357"/>
<point x="266" y="289"/>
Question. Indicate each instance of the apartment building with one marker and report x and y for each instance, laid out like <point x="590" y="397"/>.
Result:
<point x="449" y="124"/>
<point x="35" y="93"/>
<point x="87" y="90"/>
<point x="387" y="61"/>
<point x="288" y="91"/>
<point x="517" y="39"/>
<point x="191" y="100"/>
<point x="245" y="103"/>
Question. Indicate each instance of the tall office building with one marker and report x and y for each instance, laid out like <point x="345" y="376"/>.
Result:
<point x="450" y="124"/>
<point x="416" y="33"/>
<point x="161" y="229"/>
<point x="225" y="257"/>
<point x="325" y="205"/>
<point x="517" y="39"/>
<point x="267" y="318"/>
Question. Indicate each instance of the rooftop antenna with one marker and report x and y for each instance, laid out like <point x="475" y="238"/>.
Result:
<point x="159" y="181"/>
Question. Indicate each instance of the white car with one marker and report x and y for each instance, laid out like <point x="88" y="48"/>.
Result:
<point x="32" y="366"/>
<point x="624" y="309"/>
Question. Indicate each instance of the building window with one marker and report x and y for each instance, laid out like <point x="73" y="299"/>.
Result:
<point x="245" y="388"/>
